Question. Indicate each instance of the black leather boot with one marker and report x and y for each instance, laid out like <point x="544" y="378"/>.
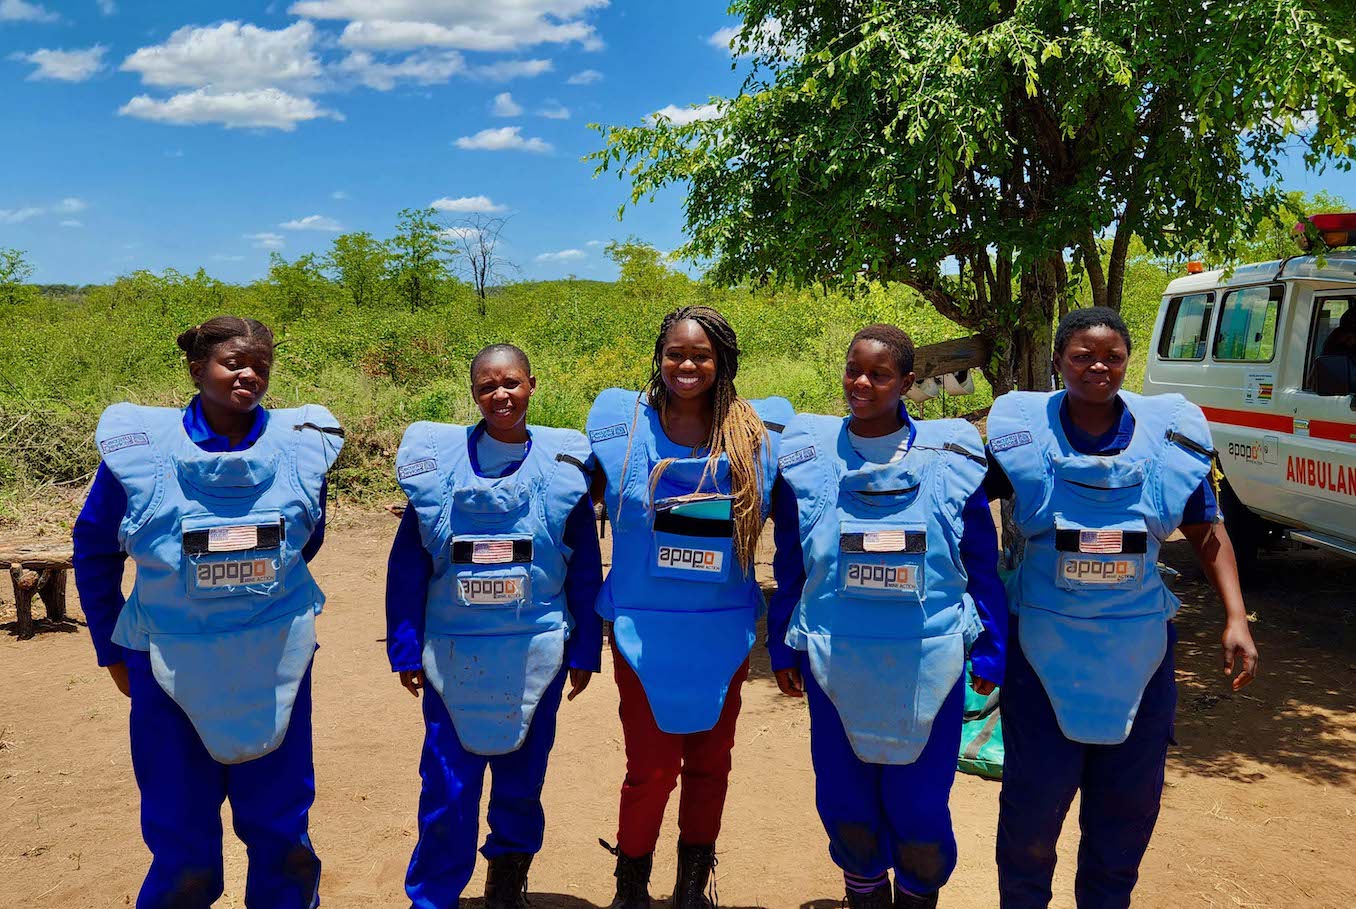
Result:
<point x="633" y="879"/>
<point x="506" y="881"/>
<point x="879" y="898"/>
<point x="694" y="870"/>
<point x="909" y="901"/>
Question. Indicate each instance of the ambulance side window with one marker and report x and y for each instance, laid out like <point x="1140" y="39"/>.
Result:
<point x="1247" y="324"/>
<point x="1185" y="327"/>
<point x="1326" y="336"/>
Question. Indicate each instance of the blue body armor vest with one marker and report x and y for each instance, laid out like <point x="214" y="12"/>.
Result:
<point x="1093" y="608"/>
<point x="683" y="610"/>
<point x="496" y="620"/>
<point x="884" y="617"/>
<point x="223" y="600"/>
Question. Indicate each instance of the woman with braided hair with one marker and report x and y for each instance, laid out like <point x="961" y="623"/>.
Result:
<point x="688" y="467"/>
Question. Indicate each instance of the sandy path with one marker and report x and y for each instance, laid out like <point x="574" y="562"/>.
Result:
<point x="1260" y="808"/>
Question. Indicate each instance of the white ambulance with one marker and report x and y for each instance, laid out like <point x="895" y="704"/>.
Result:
<point x="1269" y="354"/>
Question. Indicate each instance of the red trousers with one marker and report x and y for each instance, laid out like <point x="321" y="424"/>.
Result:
<point x="655" y="759"/>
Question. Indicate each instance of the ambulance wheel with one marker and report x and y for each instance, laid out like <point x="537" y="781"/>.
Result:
<point x="1247" y="531"/>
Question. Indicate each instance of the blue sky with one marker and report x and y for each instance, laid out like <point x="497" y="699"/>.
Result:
<point x="153" y="135"/>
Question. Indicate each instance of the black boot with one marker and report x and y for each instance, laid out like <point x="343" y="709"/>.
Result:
<point x="633" y="879"/>
<point x="909" y="901"/>
<point x="506" y="881"/>
<point x="694" y="870"/>
<point x="875" y="899"/>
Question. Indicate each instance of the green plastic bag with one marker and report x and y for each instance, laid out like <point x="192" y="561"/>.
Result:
<point x="981" y="747"/>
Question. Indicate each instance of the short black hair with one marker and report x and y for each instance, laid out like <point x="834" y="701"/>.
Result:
<point x="1093" y="317"/>
<point x="493" y="350"/>
<point x="198" y="342"/>
<point x="893" y="337"/>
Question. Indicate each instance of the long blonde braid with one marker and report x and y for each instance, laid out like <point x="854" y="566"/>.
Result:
<point x="737" y="432"/>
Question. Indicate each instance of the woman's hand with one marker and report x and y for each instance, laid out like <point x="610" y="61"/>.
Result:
<point x="119" y="673"/>
<point x="791" y="683"/>
<point x="981" y="686"/>
<point x="413" y="680"/>
<point x="579" y="680"/>
<point x="1236" y="644"/>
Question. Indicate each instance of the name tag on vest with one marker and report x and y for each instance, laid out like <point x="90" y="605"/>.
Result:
<point x="875" y="576"/>
<point x="700" y="561"/>
<point x="1093" y="570"/>
<point x="498" y="591"/>
<point x="234" y="573"/>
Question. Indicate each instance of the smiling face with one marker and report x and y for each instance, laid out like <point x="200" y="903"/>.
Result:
<point x="502" y="388"/>
<point x="234" y="376"/>
<point x="873" y="384"/>
<point x="1092" y="364"/>
<point x="688" y="361"/>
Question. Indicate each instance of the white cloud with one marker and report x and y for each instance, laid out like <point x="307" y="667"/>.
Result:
<point x="266" y="240"/>
<point x="232" y="56"/>
<point x="554" y="111"/>
<point x="768" y="36"/>
<point x="268" y="108"/>
<point x="468" y="204"/>
<point x="504" y="70"/>
<point x="313" y="222"/>
<point x="19" y="215"/>
<point x="682" y="116"/>
<point x="424" y="68"/>
<point x="22" y="11"/>
<point x="225" y="257"/>
<point x="565" y="255"/>
<point x="506" y="138"/>
<point x="340" y="195"/>
<point x="71" y="222"/>
<point x="459" y="233"/>
<point x="585" y="77"/>
<point x="106" y="7"/>
<point x="722" y="37"/>
<point x="64" y="65"/>
<point x="462" y="24"/>
<point x="504" y="106"/>
<point x="592" y="244"/>
<point x="70" y="205"/>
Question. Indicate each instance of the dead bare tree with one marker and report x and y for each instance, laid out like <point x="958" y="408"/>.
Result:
<point x="475" y="242"/>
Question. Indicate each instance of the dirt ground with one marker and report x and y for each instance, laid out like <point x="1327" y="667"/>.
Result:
<point x="1260" y="807"/>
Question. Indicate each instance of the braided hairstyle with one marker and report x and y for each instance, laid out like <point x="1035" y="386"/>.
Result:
<point x="736" y="429"/>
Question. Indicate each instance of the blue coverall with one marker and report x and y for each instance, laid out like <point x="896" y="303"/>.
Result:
<point x="182" y="786"/>
<point x="1121" y="785"/>
<point x="449" y="800"/>
<point x="881" y="816"/>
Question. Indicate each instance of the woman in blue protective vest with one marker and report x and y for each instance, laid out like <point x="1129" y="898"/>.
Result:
<point x="1099" y="478"/>
<point x="489" y="599"/>
<point x="688" y="467"/>
<point x="221" y="506"/>
<point x="886" y="580"/>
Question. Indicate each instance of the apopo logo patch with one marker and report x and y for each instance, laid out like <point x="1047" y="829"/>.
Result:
<point x="234" y="573"/>
<point x="490" y="591"/>
<point x="683" y="559"/>
<point x="874" y="576"/>
<point x="1100" y="571"/>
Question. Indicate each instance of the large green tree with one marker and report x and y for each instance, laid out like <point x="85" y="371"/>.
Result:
<point x="418" y="255"/>
<point x="358" y="262"/>
<point x="14" y="274"/>
<point x="980" y="152"/>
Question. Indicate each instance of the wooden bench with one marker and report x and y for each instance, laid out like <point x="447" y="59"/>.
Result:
<point x="36" y="571"/>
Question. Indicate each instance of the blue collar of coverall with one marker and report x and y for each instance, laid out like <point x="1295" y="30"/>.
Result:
<point x="195" y="424"/>
<point x="1114" y="440"/>
<point x="475" y="458"/>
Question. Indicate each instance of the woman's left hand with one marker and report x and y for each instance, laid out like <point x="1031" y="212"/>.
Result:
<point x="579" y="680"/>
<point x="1236" y="644"/>
<point x="982" y="686"/>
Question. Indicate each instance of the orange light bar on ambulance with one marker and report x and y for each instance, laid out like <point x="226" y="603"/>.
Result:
<point x="1334" y="230"/>
<point x="1195" y="268"/>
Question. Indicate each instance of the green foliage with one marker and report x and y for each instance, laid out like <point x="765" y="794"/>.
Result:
<point x="975" y="151"/>
<point x="14" y="274"/>
<point x="359" y="263"/>
<point x="297" y="286"/>
<point x="418" y="256"/>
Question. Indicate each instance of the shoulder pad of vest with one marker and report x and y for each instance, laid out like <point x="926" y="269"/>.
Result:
<point x="1186" y="425"/>
<point x="806" y="438"/>
<point x="954" y="436"/>
<point x="611" y="414"/>
<point x="123" y="426"/>
<point x="318" y="427"/>
<point x="426" y="447"/>
<point x="775" y="412"/>
<point x="568" y="446"/>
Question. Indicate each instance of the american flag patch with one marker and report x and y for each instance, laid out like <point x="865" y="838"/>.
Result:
<point x="884" y="541"/>
<point x="232" y="539"/>
<point x="1111" y="541"/>
<point x="492" y="552"/>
